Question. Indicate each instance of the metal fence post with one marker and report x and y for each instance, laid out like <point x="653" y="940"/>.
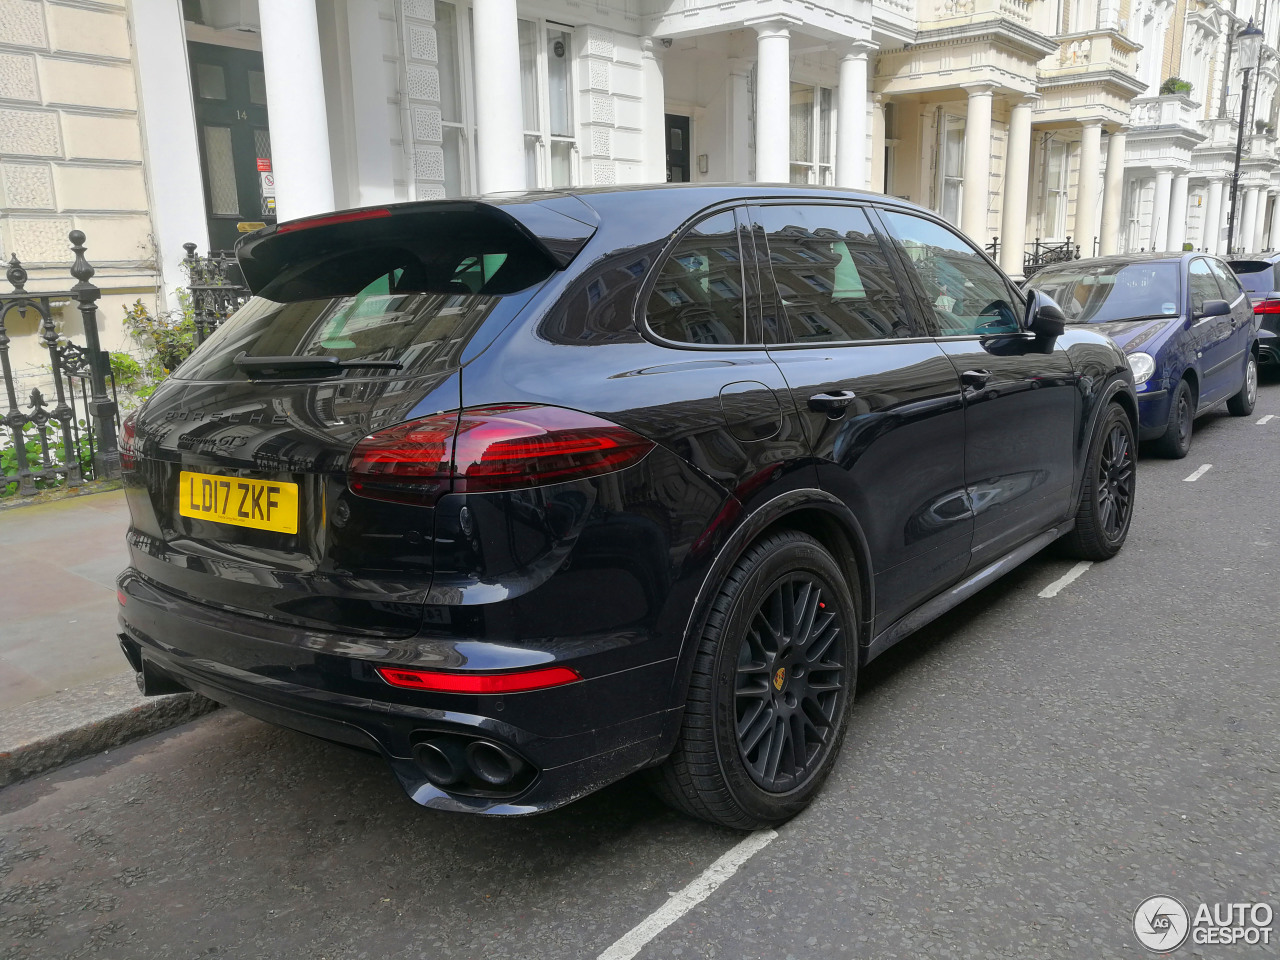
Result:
<point x="106" y="458"/>
<point x="15" y="419"/>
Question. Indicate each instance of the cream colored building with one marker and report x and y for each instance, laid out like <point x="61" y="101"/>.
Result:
<point x="151" y="123"/>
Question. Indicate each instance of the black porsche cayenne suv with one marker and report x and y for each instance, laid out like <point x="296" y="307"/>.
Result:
<point x="532" y="492"/>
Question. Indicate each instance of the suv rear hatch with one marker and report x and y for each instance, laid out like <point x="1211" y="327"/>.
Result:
<point x="236" y="467"/>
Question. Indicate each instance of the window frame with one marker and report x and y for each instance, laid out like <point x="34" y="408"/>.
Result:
<point x="466" y="126"/>
<point x="893" y="257"/>
<point x="924" y="309"/>
<point x="1061" y="191"/>
<point x="1190" y="301"/>
<point x="819" y="167"/>
<point x="947" y="123"/>
<point x="542" y="138"/>
<point x="754" y="332"/>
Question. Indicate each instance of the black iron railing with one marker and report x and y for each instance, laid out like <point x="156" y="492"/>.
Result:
<point x="72" y="437"/>
<point x="217" y="289"/>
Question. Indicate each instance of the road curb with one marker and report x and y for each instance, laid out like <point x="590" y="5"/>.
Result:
<point x="45" y="734"/>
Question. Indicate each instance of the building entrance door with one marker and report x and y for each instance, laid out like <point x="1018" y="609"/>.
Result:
<point x="677" y="148"/>
<point x="230" y="94"/>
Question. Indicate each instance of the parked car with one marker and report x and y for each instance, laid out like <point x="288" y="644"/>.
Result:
<point x="1258" y="275"/>
<point x="530" y="493"/>
<point x="1183" y="321"/>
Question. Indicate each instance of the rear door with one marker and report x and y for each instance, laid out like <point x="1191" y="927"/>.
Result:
<point x="238" y="487"/>
<point x="1021" y="404"/>
<point x="879" y="400"/>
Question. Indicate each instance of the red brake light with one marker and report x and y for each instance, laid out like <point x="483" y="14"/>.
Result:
<point x="442" y="682"/>
<point x="349" y="216"/>
<point x="121" y="597"/>
<point x="1267" y="307"/>
<point x="484" y="449"/>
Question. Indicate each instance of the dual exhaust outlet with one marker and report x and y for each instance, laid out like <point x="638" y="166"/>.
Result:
<point x="466" y="765"/>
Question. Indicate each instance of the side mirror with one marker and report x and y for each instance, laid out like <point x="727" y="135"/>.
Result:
<point x="1044" y="317"/>
<point x="1213" y="308"/>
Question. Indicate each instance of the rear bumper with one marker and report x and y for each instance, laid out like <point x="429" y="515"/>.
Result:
<point x="577" y="738"/>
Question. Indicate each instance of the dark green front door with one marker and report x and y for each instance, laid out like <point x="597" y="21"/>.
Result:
<point x="230" y="93"/>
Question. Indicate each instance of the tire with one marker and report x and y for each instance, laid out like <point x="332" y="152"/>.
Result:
<point x="755" y="780"/>
<point x="1241" y="405"/>
<point x="1176" y="442"/>
<point x="1106" y="502"/>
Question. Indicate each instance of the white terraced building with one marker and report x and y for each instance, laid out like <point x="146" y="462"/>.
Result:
<point x="151" y="123"/>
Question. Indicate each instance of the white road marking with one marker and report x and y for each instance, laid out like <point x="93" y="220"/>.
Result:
<point x="682" y="901"/>
<point x="1200" y="472"/>
<point x="1269" y="416"/>
<point x="1053" y="589"/>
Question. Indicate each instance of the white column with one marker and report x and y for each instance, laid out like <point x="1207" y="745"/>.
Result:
<point x="1017" y="175"/>
<point x="738" y="106"/>
<point x="773" y="101"/>
<point x="1087" y="186"/>
<point x="977" y="163"/>
<point x="1260" y="222"/>
<point x="295" y="104"/>
<point x="851" y="118"/>
<point x="653" y="112"/>
<point x="1249" y="222"/>
<point x="1212" y="240"/>
<point x="1178" y="211"/>
<point x="169" y="128"/>
<point x="1275" y="225"/>
<point x="1159" y="236"/>
<point x="499" y="112"/>
<point x="1112" y="195"/>
<point x="878" y="174"/>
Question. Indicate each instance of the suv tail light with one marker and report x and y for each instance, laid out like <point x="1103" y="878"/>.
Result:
<point x="1268" y="306"/>
<point x="486" y="449"/>
<point x="128" y="442"/>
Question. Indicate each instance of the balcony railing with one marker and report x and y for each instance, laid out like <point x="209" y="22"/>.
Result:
<point x="1094" y="50"/>
<point x="1171" y="110"/>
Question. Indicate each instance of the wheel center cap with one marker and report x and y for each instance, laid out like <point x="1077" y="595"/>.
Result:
<point x="779" y="678"/>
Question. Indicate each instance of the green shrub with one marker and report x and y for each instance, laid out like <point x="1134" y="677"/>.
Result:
<point x="1175" y="85"/>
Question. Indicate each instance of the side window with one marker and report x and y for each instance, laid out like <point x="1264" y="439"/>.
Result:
<point x="967" y="294"/>
<point x="1231" y="288"/>
<point x="698" y="296"/>
<point x="831" y="272"/>
<point x="1203" y="286"/>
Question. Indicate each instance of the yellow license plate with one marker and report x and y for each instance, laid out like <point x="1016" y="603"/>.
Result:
<point x="261" y="504"/>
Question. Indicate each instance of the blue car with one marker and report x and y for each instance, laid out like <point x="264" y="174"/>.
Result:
<point x="1185" y="324"/>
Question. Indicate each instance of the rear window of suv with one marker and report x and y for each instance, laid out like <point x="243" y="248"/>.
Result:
<point x="406" y="307"/>
<point x="1256" y="276"/>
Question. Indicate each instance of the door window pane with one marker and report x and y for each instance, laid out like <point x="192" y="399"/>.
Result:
<point x="452" y="161"/>
<point x="952" y="168"/>
<point x="967" y="294"/>
<point x="447" y="58"/>
<point x="258" y="87"/>
<point x="561" y="163"/>
<point x="1203" y="286"/>
<point x="529" y="75"/>
<point x="832" y="274"/>
<point x="224" y="200"/>
<point x="559" y="81"/>
<point x="1057" y="169"/>
<point x="1227" y="280"/>
<point x="211" y="83"/>
<point x="801" y="123"/>
<point x="698" y="297"/>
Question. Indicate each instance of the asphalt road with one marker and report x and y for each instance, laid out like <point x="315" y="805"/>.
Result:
<point x="1017" y="778"/>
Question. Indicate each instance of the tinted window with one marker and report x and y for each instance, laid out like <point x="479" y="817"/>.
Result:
<point x="1257" y="276"/>
<point x="1105" y="292"/>
<point x="831" y="272"/>
<point x="698" y="294"/>
<point x="1227" y="281"/>
<point x="1203" y="286"/>
<point x="967" y="294"/>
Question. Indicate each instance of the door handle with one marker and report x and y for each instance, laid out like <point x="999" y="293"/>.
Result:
<point x="833" y="403"/>
<point x="976" y="379"/>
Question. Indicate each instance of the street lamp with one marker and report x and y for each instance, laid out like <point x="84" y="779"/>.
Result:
<point x="1248" y="48"/>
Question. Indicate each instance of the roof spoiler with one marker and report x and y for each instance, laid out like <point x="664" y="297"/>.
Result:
<point x="558" y="225"/>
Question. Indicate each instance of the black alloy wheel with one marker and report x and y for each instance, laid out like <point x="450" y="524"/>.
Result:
<point x="790" y="677"/>
<point x="1115" y="482"/>
<point x="1106" y="502"/>
<point x="772" y="684"/>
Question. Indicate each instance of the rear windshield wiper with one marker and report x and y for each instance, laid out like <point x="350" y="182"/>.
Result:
<point x="306" y="366"/>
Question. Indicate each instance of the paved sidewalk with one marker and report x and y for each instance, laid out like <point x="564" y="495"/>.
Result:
<point x="66" y="690"/>
<point x="58" y="563"/>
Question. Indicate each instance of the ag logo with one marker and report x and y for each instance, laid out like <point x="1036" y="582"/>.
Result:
<point x="1161" y="924"/>
<point x="779" y="678"/>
